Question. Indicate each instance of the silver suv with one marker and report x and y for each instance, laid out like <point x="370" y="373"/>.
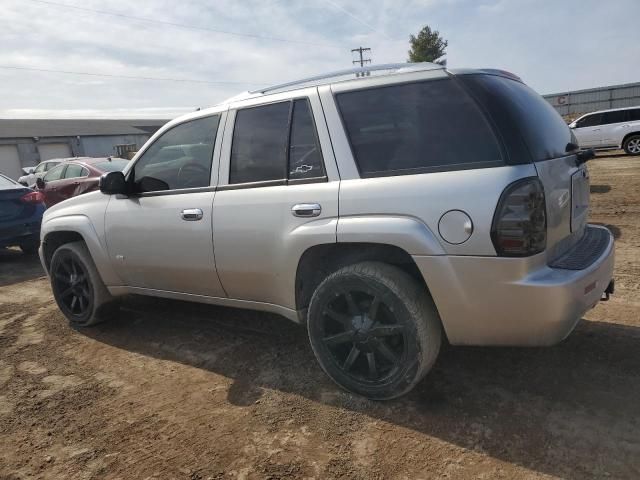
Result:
<point x="380" y="208"/>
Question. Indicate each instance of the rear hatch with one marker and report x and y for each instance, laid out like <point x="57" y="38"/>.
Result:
<point x="532" y="131"/>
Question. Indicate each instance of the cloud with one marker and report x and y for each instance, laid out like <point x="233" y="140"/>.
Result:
<point x="553" y="45"/>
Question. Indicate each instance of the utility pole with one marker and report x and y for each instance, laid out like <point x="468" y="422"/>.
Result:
<point x="362" y="60"/>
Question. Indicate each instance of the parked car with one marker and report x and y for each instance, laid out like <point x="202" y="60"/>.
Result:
<point x="380" y="210"/>
<point x="75" y="177"/>
<point x="31" y="174"/>
<point x="609" y="129"/>
<point x="21" y="211"/>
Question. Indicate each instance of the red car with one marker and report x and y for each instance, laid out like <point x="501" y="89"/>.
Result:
<point x="75" y="177"/>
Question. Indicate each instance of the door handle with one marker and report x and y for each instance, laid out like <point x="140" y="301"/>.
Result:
<point x="306" y="210"/>
<point x="191" y="214"/>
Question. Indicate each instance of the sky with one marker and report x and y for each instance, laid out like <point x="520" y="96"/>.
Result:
<point x="224" y="47"/>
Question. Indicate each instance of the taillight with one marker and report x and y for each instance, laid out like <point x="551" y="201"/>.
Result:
<point x="32" y="197"/>
<point x="520" y="223"/>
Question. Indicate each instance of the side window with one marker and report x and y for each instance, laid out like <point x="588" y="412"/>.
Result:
<point x="41" y="168"/>
<point x="180" y="158"/>
<point x="590" y="121"/>
<point x="54" y="174"/>
<point x="617" y="116"/>
<point x="305" y="158"/>
<point x="634" y="115"/>
<point x="258" y="149"/>
<point x="73" y="171"/>
<point x="50" y="165"/>
<point x="413" y="128"/>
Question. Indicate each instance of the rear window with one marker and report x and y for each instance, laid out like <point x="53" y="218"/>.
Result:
<point x="417" y="127"/>
<point x="113" y="165"/>
<point x="5" y="182"/>
<point x="543" y="130"/>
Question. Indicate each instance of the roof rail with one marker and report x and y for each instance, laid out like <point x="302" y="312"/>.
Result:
<point x="360" y="71"/>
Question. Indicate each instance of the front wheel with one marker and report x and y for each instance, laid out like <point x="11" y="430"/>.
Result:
<point x="632" y="145"/>
<point x="77" y="286"/>
<point x="374" y="330"/>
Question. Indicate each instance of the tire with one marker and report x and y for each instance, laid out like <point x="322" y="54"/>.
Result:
<point x="374" y="330"/>
<point x="77" y="286"/>
<point x="632" y="145"/>
<point x="30" y="248"/>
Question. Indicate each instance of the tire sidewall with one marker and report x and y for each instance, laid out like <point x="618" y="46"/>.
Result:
<point x="401" y="380"/>
<point x="60" y="255"/>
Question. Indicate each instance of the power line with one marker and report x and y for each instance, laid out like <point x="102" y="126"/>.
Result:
<point x="130" y="77"/>
<point x="182" y="25"/>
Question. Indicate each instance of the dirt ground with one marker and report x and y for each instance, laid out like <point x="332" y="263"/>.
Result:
<point x="175" y="390"/>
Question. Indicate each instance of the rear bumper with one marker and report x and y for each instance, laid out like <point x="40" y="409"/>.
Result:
<point x="511" y="301"/>
<point x="24" y="233"/>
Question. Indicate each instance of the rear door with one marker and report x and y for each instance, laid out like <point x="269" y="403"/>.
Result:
<point x="76" y="181"/>
<point x="613" y="126"/>
<point x="278" y="196"/>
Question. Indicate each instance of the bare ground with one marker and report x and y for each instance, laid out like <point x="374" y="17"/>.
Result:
<point x="175" y="390"/>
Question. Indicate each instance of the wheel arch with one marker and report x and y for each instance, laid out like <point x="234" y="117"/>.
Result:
<point x="61" y="230"/>
<point x="319" y="261"/>
<point x="627" y="136"/>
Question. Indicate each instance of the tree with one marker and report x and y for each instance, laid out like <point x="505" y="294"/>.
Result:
<point x="427" y="46"/>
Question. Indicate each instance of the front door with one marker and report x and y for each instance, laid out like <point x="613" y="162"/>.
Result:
<point x="278" y="196"/>
<point x="588" y="131"/>
<point x="53" y="180"/>
<point x="159" y="237"/>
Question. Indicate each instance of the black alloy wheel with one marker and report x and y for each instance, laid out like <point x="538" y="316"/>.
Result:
<point x="72" y="287"/>
<point x="374" y="329"/>
<point x="364" y="337"/>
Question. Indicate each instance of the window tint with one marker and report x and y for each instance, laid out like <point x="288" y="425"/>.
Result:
<point x="618" y="116"/>
<point x="545" y="133"/>
<point x="305" y="158"/>
<point x="258" y="151"/>
<point x="432" y="125"/>
<point x="180" y="158"/>
<point x="55" y="173"/>
<point x="590" y="121"/>
<point x="74" y="170"/>
<point x="634" y="115"/>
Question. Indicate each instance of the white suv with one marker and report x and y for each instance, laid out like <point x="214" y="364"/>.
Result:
<point x="608" y="129"/>
<point x="378" y="210"/>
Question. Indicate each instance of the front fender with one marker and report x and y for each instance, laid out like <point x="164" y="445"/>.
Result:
<point x="81" y="224"/>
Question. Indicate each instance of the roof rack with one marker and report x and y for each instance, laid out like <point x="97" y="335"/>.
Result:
<point x="358" y="72"/>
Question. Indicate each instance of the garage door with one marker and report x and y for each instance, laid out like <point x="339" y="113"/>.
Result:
<point x="10" y="161"/>
<point x="54" y="150"/>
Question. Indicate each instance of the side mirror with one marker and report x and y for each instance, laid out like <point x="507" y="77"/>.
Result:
<point x="40" y="183"/>
<point x="113" y="183"/>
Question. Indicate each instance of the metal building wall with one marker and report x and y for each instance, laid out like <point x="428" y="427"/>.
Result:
<point x="584" y="101"/>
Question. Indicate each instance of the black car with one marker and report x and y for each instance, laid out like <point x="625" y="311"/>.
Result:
<point x="21" y="210"/>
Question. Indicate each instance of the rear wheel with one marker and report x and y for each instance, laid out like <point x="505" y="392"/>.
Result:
<point x="77" y="286"/>
<point x="632" y="145"/>
<point x="374" y="330"/>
